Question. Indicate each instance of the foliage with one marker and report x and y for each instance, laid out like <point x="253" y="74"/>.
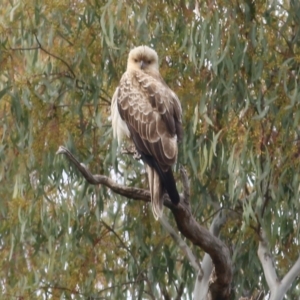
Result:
<point x="235" y="68"/>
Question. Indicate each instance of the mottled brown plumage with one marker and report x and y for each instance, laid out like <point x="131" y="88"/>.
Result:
<point x="146" y="110"/>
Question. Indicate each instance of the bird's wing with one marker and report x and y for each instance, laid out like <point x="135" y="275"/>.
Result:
<point x="120" y="128"/>
<point x="152" y="113"/>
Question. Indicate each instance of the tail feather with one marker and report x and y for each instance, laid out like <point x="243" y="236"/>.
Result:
<point x="156" y="192"/>
<point x="158" y="179"/>
<point x="170" y="185"/>
<point x="167" y="179"/>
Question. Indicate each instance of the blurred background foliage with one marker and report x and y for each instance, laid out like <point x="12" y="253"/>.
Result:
<point x="234" y="66"/>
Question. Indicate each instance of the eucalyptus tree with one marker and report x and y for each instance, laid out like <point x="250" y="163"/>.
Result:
<point x="68" y="233"/>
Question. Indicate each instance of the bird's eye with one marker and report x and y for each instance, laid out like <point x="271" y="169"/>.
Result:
<point x="149" y="62"/>
<point x="136" y="60"/>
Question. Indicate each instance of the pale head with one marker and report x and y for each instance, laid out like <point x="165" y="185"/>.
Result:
<point x="143" y="58"/>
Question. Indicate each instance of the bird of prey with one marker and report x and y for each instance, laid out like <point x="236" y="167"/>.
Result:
<point x="148" y="112"/>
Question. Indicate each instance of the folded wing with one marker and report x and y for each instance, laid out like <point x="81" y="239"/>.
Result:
<point x="152" y="113"/>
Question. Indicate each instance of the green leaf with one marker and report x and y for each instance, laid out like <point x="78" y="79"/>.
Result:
<point x="4" y="91"/>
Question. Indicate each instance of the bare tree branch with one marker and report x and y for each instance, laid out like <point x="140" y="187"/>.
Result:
<point x="278" y="288"/>
<point x="221" y="288"/>
<point x="219" y="253"/>
<point x="290" y="276"/>
<point x="202" y="282"/>
<point x="129" y="192"/>
<point x="267" y="262"/>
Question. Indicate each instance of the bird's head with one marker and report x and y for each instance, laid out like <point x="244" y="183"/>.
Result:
<point x="143" y="58"/>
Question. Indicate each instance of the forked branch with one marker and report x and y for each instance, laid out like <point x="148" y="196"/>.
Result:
<point x="278" y="288"/>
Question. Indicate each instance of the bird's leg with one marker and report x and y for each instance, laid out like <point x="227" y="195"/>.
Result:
<point x="136" y="155"/>
<point x="131" y="150"/>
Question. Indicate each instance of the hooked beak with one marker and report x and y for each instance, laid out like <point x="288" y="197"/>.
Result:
<point x="142" y="64"/>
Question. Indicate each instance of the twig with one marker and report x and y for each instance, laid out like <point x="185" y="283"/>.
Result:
<point x="182" y="244"/>
<point x="118" y="237"/>
<point x="81" y="85"/>
<point x="53" y="55"/>
<point x="25" y="49"/>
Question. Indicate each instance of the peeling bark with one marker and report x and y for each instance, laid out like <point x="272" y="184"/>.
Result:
<point x="220" y="289"/>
